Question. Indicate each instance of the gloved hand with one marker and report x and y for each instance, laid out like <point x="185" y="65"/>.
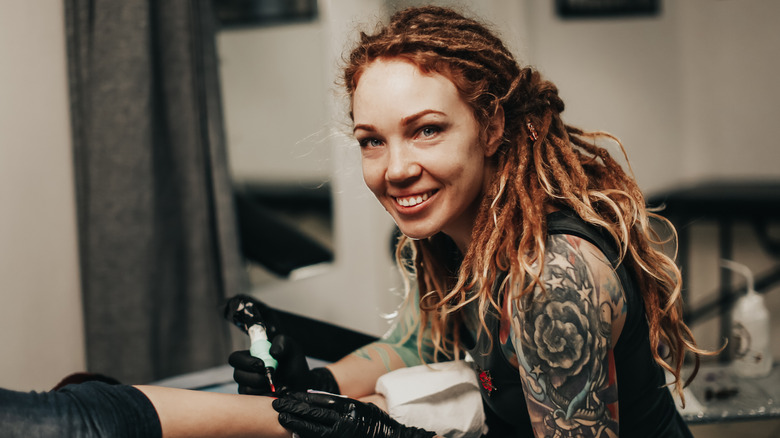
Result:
<point x="331" y="416"/>
<point x="292" y="373"/>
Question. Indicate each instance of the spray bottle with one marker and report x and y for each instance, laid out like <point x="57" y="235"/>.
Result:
<point x="750" y="329"/>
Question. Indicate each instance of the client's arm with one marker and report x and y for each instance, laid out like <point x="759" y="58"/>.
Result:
<point x="187" y="413"/>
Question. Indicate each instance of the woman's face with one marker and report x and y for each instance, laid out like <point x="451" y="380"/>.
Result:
<point x="422" y="153"/>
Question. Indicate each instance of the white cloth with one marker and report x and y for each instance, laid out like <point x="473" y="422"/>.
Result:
<point x="442" y="397"/>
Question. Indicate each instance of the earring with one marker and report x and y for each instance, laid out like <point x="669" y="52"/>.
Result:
<point x="531" y="130"/>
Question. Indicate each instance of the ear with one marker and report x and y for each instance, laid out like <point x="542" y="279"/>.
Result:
<point x="495" y="132"/>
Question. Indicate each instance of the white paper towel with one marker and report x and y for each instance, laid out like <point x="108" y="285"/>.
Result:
<point x="442" y="397"/>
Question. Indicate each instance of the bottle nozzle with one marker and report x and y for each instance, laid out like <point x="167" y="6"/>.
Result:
<point x="742" y="269"/>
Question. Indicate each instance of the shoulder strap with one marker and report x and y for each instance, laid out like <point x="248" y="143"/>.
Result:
<point x="567" y="222"/>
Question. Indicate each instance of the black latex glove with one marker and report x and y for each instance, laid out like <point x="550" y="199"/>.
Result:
<point x="292" y="372"/>
<point x="332" y="416"/>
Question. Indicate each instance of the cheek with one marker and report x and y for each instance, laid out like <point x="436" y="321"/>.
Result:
<point x="469" y="177"/>
<point x="373" y="175"/>
<point x="460" y="169"/>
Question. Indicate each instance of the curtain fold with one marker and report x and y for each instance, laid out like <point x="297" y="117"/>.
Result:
<point x="157" y="228"/>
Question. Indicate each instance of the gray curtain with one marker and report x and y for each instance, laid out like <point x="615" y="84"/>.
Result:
<point x="157" y="231"/>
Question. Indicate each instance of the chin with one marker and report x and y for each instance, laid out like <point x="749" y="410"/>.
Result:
<point x="416" y="234"/>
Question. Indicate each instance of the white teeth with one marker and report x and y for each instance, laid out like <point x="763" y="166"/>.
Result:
<point x="411" y="201"/>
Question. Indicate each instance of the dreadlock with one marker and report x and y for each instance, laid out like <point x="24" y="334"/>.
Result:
<point x="542" y="163"/>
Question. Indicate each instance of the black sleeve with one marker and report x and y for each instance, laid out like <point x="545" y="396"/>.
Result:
<point x="86" y="410"/>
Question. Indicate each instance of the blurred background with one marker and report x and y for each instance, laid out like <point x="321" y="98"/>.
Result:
<point x="689" y="87"/>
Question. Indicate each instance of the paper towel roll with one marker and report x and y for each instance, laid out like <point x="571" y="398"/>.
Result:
<point x="442" y="397"/>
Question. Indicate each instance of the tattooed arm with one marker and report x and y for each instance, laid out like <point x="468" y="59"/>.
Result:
<point x="358" y="372"/>
<point x="564" y="337"/>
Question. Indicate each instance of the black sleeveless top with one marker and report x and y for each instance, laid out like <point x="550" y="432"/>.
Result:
<point x="645" y="406"/>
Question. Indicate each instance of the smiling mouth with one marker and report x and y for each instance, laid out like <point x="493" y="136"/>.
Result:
<point x="411" y="201"/>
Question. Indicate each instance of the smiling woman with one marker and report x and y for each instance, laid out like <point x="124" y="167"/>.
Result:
<point x="525" y="244"/>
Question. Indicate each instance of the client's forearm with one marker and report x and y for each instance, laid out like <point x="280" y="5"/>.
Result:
<point x="186" y="413"/>
<point x="357" y="373"/>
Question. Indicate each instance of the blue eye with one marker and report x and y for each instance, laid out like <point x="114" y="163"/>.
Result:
<point x="370" y="142"/>
<point x="429" y="131"/>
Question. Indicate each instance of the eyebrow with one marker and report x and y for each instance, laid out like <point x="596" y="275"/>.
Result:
<point x="406" y="121"/>
<point x="364" y="127"/>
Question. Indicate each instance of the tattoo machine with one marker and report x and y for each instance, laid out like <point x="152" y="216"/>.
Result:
<point x="242" y="312"/>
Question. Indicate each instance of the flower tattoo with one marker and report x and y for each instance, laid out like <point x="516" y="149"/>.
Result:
<point x="563" y="338"/>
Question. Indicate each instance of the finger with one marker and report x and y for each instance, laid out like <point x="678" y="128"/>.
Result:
<point x="252" y="390"/>
<point x="254" y="379"/>
<point x="305" y="412"/>
<point x="340" y="405"/>
<point x="329" y="401"/>
<point x="303" y="428"/>
<point x="297" y="396"/>
<point x="244" y="361"/>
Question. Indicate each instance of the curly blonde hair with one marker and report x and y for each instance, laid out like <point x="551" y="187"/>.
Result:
<point x="542" y="163"/>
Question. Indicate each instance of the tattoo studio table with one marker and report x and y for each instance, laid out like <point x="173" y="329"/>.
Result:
<point x="718" y="395"/>
<point x="217" y="379"/>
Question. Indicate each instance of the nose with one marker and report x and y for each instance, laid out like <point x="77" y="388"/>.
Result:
<point x="402" y="164"/>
